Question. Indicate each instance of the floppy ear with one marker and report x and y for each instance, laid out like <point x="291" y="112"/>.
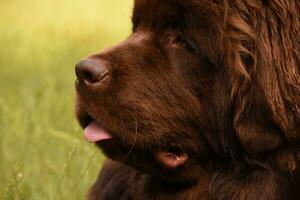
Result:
<point x="263" y="58"/>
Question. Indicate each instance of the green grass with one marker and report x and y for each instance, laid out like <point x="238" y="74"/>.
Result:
<point x="42" y="153"/>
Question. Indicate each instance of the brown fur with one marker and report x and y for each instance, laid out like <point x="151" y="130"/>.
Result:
<point x="217" y="79"/>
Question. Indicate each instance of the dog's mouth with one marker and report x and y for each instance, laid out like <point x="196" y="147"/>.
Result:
<point x="93" y="131"/>
<point x="171" y="157"/>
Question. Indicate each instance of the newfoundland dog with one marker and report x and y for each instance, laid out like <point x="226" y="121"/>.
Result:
<point x="200" y="102"/>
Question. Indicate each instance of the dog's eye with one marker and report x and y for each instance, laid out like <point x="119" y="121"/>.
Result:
<point x="175" y="41"/>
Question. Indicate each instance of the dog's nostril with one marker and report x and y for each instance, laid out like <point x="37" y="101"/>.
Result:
<point x="90" y="71"/>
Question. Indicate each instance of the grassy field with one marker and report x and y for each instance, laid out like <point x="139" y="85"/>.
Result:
<point x="42" y="153"/>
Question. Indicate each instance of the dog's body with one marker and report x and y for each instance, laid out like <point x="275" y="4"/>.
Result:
<point x="202" y="101"/>
<point x="119" y="181"/>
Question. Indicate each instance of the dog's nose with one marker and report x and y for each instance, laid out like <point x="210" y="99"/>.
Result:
<point x="91" y="72"/>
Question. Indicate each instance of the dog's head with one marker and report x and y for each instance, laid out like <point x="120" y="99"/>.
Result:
<point x="194" y="82"/>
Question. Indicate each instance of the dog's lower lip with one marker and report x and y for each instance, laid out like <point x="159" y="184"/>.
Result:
<point x="171" y="160"/>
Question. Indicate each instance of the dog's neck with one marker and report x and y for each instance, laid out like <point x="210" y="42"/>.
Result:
<point x="128" y="183"/>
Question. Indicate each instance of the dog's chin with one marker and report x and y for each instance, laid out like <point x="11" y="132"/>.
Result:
<point x="115" y="149"/>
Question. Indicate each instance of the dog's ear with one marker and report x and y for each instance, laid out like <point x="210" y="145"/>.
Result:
<point x="263" y="58"/>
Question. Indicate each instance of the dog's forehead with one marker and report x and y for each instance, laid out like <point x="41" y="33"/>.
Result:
<point x="162" y="5"/>
<point x="158" y="13"/>
<point x="162" y="9"/>
<point x="149" y="7"/>
<point x="158" y="4"/>
<point x="155" y="12"/>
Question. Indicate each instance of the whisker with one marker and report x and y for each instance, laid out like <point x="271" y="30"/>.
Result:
<point x="135" y="138"/>
<point x="123" y="124"/>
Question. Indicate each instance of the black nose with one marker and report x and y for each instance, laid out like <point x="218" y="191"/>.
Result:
<point x="90" y="72"/>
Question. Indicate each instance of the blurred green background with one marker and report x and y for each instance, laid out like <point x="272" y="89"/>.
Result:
<point x="42" y="153"/>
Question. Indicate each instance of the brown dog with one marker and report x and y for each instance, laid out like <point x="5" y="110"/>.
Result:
<point x="202" y="101"/>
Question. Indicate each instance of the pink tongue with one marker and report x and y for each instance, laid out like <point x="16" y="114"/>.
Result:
<point x="94" y="133"/>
